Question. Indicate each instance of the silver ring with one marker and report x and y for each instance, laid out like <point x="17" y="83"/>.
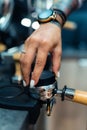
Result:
<point x="23" y="51"/>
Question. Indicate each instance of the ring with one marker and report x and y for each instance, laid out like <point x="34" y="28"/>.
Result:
<point x="23" y="51"/>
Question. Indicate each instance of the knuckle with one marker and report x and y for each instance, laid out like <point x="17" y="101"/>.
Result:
<point x="45" y="45"/>
<point x="32" y="41"/>
<point x="45" y="41"/>
<point x="60" y="52"/>
<point x="23" y="61"/>
<point x="27" y="40"/>
<point x="39" y="62"/>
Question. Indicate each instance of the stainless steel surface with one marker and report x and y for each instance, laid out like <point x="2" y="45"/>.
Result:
<point x="6" y="9"/>
<point x="66" y="93"/>
<point x="43" y="92"/>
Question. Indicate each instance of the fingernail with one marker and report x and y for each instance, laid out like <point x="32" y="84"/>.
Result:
<point x="58" y="74"/>
<point x="24" y="83"/>
<point x="32" y="83"/>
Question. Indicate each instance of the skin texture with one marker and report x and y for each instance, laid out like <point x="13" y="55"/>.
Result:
<point x="42" y="41"/>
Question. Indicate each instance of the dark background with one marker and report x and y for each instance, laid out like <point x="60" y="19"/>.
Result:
<point x="72" y="39"/>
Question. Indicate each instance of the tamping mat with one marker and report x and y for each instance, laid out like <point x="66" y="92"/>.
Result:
<point x="15" y="96"/>
<point x="12" y="96"/>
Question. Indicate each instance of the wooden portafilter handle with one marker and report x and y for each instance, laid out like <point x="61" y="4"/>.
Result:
<point x="73" y="95"/>
<point x="80" y="97"/>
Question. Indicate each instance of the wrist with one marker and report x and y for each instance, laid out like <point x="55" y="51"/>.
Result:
<point x="56" y="23"/>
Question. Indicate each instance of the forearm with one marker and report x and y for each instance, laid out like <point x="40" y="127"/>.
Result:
<point x="63" y="8"/>
<point x="67" y="6"/>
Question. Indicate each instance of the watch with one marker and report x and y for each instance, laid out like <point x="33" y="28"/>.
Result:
<point x="49" y="15"/>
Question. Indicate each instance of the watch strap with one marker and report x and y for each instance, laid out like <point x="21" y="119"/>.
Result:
<point x="59" y="19"/>
<point x="61" y="14"/>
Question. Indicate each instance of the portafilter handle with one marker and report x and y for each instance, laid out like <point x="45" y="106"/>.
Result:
<point x="73" y="95"/>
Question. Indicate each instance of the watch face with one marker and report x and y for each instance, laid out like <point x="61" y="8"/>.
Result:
<point x="45" y="14"/>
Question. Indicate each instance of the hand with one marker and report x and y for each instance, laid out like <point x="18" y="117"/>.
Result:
<point x="45" y="39"/>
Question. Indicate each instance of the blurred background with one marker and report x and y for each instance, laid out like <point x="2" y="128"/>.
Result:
<point x="17" y="22"/>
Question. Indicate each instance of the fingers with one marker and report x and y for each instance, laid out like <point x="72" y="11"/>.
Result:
<point x="41" y="57"/>
<point x="25" y="62"/>
<point x="56" y="59"/>
<point x="39" y="64"/>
